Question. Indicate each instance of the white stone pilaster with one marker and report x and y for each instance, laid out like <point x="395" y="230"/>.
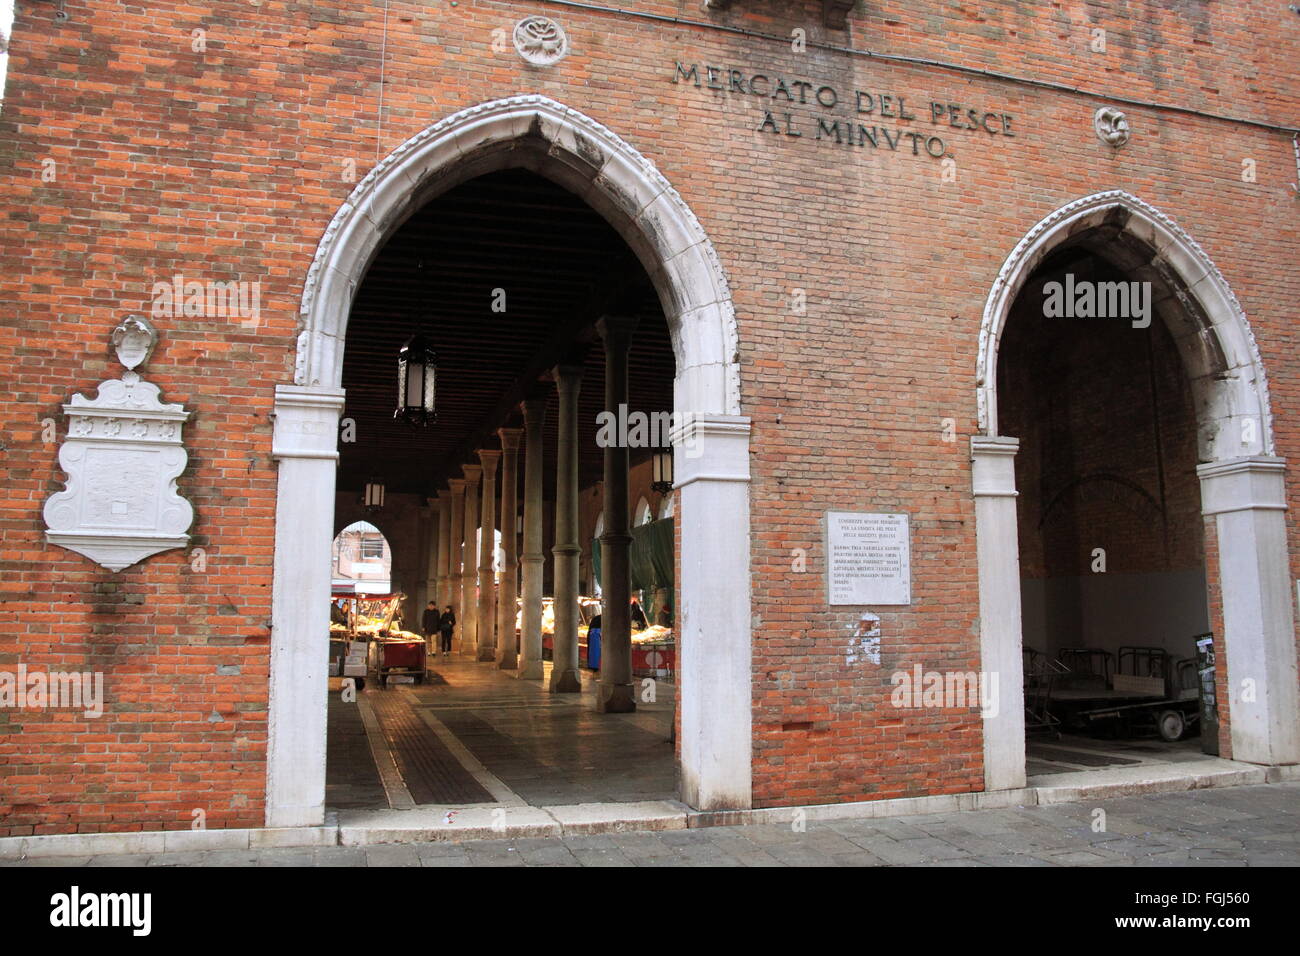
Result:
<point x="1247" y="498"/>
<point x="711" y="465"/>
<point x="997" y="543"/>
<point x="305" y="446"/>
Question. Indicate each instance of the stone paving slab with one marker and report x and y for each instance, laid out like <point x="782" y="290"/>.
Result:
<point x="1251" y="826"/>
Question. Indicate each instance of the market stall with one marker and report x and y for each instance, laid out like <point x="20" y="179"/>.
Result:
<point x="588" y="607"/>
<point x="366" y="635"/>
<point x="650" y="559"/>
<point x="654" y="652"/>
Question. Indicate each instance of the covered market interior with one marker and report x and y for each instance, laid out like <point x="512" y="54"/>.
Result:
<point x="496" y="492"/>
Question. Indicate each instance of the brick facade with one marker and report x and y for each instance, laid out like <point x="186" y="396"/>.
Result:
<point x="222" y="155"/>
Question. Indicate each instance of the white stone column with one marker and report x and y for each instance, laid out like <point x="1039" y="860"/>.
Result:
<point x="305" y="446"/>
<point x="455" y="555"/>
<point x="468" y="609"/>
<point x="530" y="634"/>
<point x="1247" y="498"/>
<point x="487" y="589"/>
<point x="507" y="650"/>
<point x="997" y="544"/>
<point x="713" y="625"/>
<point x="565" y="678"/>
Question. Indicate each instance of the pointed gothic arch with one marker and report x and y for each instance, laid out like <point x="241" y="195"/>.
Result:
<point x="563" y="145"/>
<point x="1242" y="480"/>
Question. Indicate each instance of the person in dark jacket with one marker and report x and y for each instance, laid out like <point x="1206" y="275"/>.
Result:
<point x="638" y="616"/>
<point x="337" y="614"/>
<point x="446" y="625"/>
<point x="430" y="622"/>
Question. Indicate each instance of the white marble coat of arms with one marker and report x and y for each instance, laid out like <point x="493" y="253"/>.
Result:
<point x="123" y="454"/>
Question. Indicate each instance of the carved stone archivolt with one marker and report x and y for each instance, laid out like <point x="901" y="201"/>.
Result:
<point x="122" y="455"/>
<point x="703" y="326"/>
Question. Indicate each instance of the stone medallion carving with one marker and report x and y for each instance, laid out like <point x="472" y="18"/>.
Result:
<point x="122" y="456"/>
<point x="133" y="340"/>
<point x="540" y="40"/>
<point x="1111" y="126"/>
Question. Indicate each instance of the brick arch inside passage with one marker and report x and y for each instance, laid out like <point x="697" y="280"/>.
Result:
<point x="1241" y="479"/>
<point x="712" y="437"/>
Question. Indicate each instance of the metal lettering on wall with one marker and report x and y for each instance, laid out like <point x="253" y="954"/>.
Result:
<point x="122" y="456"/>
<point x="860" y="117"/>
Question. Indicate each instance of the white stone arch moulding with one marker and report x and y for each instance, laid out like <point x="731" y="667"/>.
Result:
<point x="619" y="182"/>
<point x="1242" y="487"/>
<point x="713" y="479"/>
<point x="1239" y="390"/>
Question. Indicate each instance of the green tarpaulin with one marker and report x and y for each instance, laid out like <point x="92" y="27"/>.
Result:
<point x="650" y="556"/>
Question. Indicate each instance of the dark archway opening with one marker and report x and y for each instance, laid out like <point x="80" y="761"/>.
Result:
<point x="505" y="275"/>
<point x="1112" y="551"/>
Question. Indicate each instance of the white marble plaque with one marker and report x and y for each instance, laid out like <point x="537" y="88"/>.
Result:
<point x="122" y="456"/>
<point x="868" y="558"/>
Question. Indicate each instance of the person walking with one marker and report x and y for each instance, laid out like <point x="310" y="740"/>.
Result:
<point x="430" y="625"/>
<point x="446" y="625"/>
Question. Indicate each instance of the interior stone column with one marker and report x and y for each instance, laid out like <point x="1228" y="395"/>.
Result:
<point x="615" y="694"/>
<point x="530" y="633"/>
<point x="1247" y="498"/>
<point x="444" y="548"/>
<point x="455" y="549"/>
<point x="468" y="609"/>
<point x="428" y="590"/>
<point x="487" y="591"/>
<point x="507" y="650"/>
<point x="993" y="477"/>
<point x="564" y="671"/>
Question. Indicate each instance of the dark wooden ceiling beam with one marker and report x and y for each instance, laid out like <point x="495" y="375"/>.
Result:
<point x="568" y="342"/>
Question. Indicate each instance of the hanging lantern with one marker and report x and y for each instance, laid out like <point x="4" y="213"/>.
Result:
<point x="416" y="373"/>
<point x="373" y="497"/>
<point x="662" y="471"/>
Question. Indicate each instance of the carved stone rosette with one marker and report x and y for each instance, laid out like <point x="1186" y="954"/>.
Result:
<point x="122" y="455"/>
<point x="540" y="40"/>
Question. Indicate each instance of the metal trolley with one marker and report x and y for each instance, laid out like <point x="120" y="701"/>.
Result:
<point x="394" y="656"/>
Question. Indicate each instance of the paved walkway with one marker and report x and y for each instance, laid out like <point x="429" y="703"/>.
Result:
<point x="474" y="735"/>
<point x="1236" y="826"/>
<point x="1072" y="753"/>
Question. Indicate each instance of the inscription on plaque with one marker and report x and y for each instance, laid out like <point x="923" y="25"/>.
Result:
<point x="121" y="488"/>
<point x="868" y="558"/>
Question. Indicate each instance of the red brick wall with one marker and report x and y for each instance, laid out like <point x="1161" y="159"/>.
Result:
<point x="228" y="164"/>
